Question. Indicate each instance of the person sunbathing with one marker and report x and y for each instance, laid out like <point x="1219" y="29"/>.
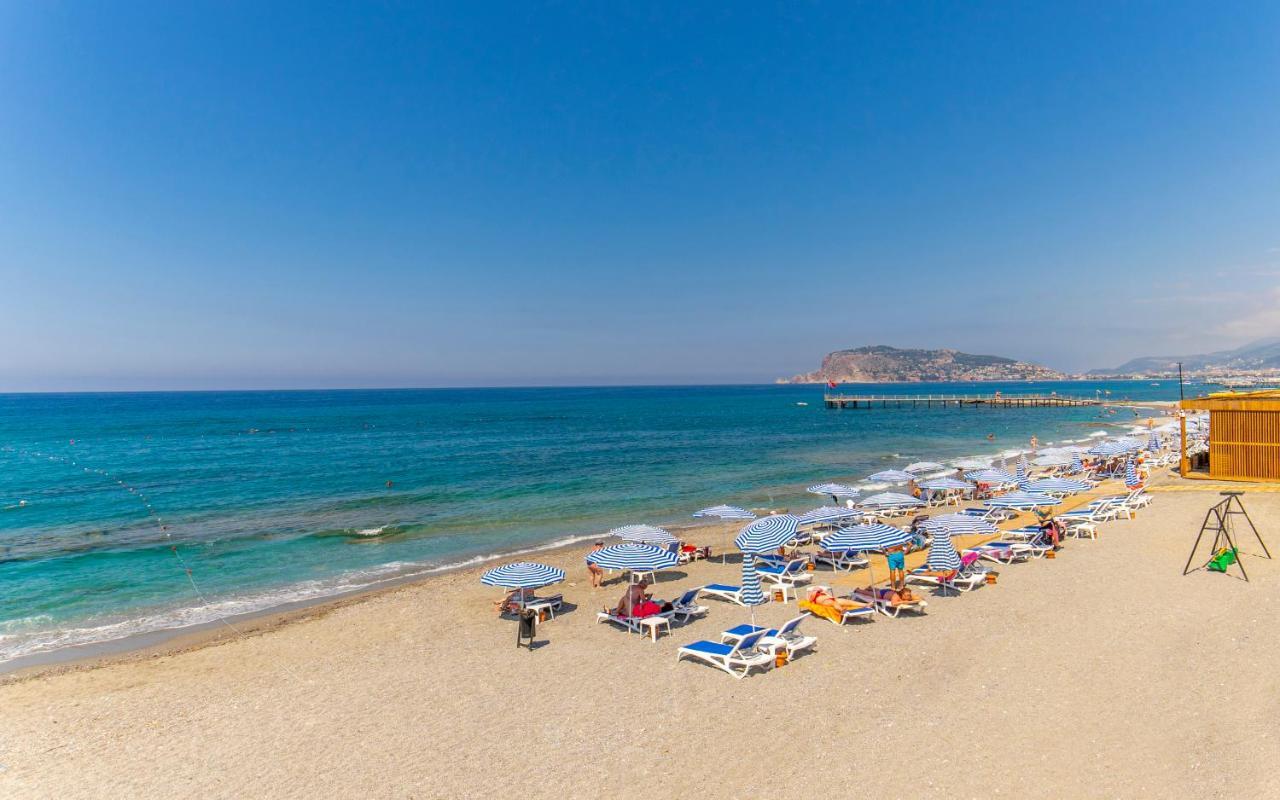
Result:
<point x="514" y="601"/>
<point x="821" y="597"/>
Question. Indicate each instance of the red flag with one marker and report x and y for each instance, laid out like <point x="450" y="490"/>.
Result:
<point x="831" y="384"/>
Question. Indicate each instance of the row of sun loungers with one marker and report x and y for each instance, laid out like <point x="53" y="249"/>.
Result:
<point x="748" y="647"/>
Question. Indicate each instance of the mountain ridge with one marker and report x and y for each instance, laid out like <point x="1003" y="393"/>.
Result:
<point x="1258" y="354"/>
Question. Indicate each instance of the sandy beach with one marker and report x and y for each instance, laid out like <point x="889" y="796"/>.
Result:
<point x="1102" y="673"/>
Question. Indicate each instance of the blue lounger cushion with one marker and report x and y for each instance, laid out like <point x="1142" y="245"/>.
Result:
<point x="743" y="630"/>
<point x="711" y="648"/>
<point x="722" y="587"/>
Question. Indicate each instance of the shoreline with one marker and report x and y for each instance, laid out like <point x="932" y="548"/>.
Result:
<point x="178" y="639"/>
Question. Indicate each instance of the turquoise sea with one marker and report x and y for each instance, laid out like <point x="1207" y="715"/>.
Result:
<point x="106" y="500"/>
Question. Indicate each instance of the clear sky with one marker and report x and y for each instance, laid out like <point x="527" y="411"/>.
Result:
<point x="204" y="195"/>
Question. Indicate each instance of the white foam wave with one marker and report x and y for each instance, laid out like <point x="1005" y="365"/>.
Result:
<point x="25" y="637"/>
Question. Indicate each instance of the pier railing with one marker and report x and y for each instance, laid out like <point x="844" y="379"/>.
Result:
<point x="839" y="400"/>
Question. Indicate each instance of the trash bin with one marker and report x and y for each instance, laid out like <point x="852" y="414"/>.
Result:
<point x="528" y="627"/>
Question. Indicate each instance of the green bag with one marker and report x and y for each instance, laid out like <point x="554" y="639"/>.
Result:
<point x="1224" y="558"/>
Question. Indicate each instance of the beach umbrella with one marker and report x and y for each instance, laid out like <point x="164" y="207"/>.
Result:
<point x="1021" y="474"/>
<point x="973" y="463"/>
<point x="1055" y="460"/>
<point x="522" y="575"/>
<point x="1077" y="465"/>
<point x="990" y="476"/>
<point x="836" y="490"/>
<point x="646" y="534"/>
<point x="826" y="514"/>
<point x="923" y="466"/>
<point x="633" y="556"/>
<point x="959" y="524"/>
<point x="752" y="595"/>
<point x="767" y="533"/>
<point x="1022" y="500"/>
<point x="1153" y="442"/>
<point x="1131" y="478"/>
<point x="891" y="500"/>
<point x="891" y="476"/>
<point x="725" y="512"/>
<point x="1064" y="485"/>
<point x="1108" y="449"/>
<point x="942" y="552"/>
<point x="866" y="537"/>
<point x="944" y="483"/>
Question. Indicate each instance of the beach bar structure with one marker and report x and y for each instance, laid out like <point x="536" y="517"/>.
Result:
<point x="1244" y="435"/>
<point x="955" y="400"/>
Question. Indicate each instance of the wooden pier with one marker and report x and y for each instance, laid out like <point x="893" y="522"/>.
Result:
<point x="957" y="400"/>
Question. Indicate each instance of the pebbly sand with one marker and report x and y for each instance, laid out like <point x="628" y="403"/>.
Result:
<point x="1102" y="673"/>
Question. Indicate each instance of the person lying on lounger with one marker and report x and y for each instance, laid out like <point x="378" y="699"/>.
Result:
<point x="514" y="601"/>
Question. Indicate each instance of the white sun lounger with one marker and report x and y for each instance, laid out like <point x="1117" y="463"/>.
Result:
<point x="965" y="580"/>
<point x="788" y="638"/>
<point x="629" y="624"/>
<point x="789" y="574"/>
<point x="737" y="659"/>
<point x="840" y="559"/>
<point x="725" y="591"/>
<point x="686" y="606"/>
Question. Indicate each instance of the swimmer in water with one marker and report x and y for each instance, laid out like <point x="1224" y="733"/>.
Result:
<point x="390" y="484"/>
<point x="991" y="437"/>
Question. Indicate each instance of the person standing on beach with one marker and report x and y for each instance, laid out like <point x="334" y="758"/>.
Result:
<point x="597" y="574"/>
<point x="897" y="558"/>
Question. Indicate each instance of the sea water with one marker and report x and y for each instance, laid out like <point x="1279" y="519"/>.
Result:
<point x="123" y="514"/>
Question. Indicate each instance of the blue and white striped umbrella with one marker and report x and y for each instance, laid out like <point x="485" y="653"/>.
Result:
<point x="522" y="575"/>
<point x="890" y="500"/>
<point x="1131" y="444"/>
<point x="959" y="524"/>
<point x="1065" y="485"/>
<point x="974" y="463"/>
<point x="646" y="534"/>
<point x="923" y="466"/>
<point x="1021" y="474"/>
<point x="1108" y="449"/>
<point x="944" y="483"/>
<point x="834" y="490"/>
<point x="751" y="594"/>
<point x="767" y="533"/>
<point x="632" y="556"/>
<point x="990" y="476"/>
<point x="1023" y="500"/>
<point x="1153" y="442"/>
<point x="865" y="537"/>
<point x="827" y="514"/>
<point x="725" y="512"/>
<point x="1077" y="465"/>
<point x="1131" y="478"/>
<point x="942" y="552"/>
<point x="891" y="476"/>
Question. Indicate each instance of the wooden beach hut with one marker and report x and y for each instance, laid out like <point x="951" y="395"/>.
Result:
<point x="1244" y="435"/>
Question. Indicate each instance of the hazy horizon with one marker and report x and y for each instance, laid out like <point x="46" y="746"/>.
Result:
<point x="211" y="196"/>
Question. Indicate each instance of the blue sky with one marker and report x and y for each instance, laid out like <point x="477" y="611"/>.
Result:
<point x="293" y="195"/>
